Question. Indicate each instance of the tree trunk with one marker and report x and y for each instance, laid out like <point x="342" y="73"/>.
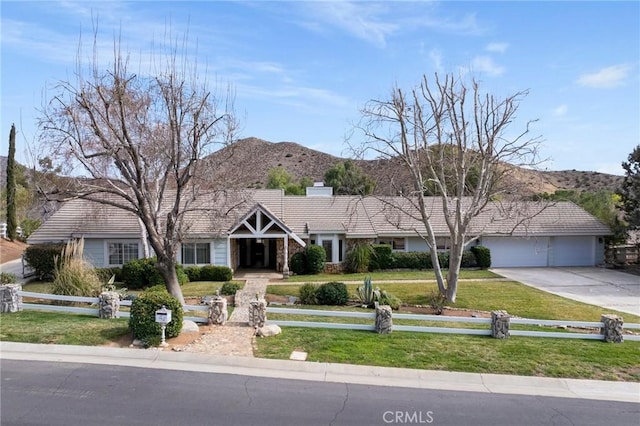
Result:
<point x="455" y="259"/>
<point x="167" y="268"/>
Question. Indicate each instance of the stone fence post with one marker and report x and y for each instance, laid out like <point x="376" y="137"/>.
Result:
<point x="613" y="328"/>
<point x="218" y="313"/>
<point x="500" y="321"/>
<point x="10" y="300"/>
<point x="108" y="305"/>
<point x="257" y="313"/>
<point x="384" y="319"/>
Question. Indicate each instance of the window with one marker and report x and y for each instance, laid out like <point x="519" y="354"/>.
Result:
<point x="196" y="253"/>
<point x="340" y="250"/>
<point x="328" y="249"/>
<point x="121" y="253"/>
<point x="397" y="244"/>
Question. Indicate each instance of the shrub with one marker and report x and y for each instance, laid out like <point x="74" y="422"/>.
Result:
<point x="41" y="257"/>
<point x="315" y="259"/>
<point x="143" y="315"/>
<point x="382" y="257"/>
<point x="412" y="260"/>
<point x="299" y="263"/>
<point x="359" y="258"/>
<point x="367" y="294"/>
<point x="215" y="273"/>
<point x="140" y="273"/>
<point x="483" y="256"/>
<point x="183" y="278"/>
<point x="468" y="259"/>
<point x="74" y="276"/>
<point x="437" y="301"/>
<point x="105" y="274"/>
<point x="193" y="272"/>
<point x="307" y="293"/>
<point x="443" y="259"/>
<point x="8" y="278"/>
<point x="229" y="289"/>
<point x="391" y="300"/>
<point x="332" y="293"/>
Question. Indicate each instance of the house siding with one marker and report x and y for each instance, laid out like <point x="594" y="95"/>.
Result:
<point x="220" y="252"/>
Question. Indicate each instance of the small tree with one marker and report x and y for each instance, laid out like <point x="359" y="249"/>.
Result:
<point x="12" y="221"/>
<point x="630" y="190"/>
<point x="347" y="178"/>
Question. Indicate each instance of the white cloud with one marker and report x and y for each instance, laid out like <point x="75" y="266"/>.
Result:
<point x="605" y="78"/>
<point x="560" y="110"/>
<point x="484" y="64"/>
<point x="497" y="47"/>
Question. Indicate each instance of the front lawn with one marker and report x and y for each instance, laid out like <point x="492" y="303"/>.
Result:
<point x="427" y="274"/>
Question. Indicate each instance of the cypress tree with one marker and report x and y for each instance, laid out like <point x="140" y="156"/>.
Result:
<point x="12" y="225"/>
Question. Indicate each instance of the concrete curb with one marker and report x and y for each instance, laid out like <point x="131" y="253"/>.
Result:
<point x="326" y="372"/>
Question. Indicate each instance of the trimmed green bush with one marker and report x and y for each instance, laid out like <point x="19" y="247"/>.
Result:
<point x="382" y="257"/>
<point x="307" y="294"/>
<point x="443" y="259"/>
<point x="142" y="273"/>
<point x="412" y="260"/>
<point x="299" y="263"/>
<point x="41" y="257"/>
<point x="358" y="258"/>
<point x="215" y="273"/>
<point x="483" y="256"/>
<point x="193" y="272"/>
<point x="143" y="316"/>
<point x="316" y="258"/>
<point x="468" y="260"/>
<point x="332" y="293"/>
<point x="229" y="289"/>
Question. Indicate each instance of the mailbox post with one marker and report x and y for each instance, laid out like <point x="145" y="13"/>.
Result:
<point x="163" y="317"/>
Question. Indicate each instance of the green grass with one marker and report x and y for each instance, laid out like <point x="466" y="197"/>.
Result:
<point x="386" y="276"/>
<point x="515" y="298"/>
<point x="64" y="329"/>
<point x="527" y="356"/>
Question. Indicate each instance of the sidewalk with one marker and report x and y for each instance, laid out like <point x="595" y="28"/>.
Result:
<point x="326" y="372"/>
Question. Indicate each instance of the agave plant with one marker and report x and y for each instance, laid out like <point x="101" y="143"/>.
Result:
<point x="367" y="294"/>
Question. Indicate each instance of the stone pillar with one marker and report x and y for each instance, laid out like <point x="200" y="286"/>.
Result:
<point x="613" y="328"/>
<point x="384" y="320"/>
<point x="108" y="305"/>
<point x="257" y="313"/>
<point x="10" y="300"/>
<point x="218" y="313"/>
<point x="500" y="321"/>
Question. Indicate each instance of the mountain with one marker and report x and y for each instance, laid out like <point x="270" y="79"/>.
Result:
<point x="247" y="162"/>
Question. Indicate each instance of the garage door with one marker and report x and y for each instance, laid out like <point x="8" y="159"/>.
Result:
<point x="515" y="252"/>
<point x="572" y="251"/>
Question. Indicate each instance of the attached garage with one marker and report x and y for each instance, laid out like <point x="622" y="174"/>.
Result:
<point x="572" y="251"/>
<point x="509" y="252"/>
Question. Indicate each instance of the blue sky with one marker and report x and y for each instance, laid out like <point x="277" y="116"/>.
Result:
<point x="301" y="71"/>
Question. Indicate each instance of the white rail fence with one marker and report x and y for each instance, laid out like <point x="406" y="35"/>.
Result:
<point x="440" y="318"/>
<point x="94" y="310"/>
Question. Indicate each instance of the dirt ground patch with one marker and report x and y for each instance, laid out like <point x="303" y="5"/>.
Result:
<point x="11" y="250"/>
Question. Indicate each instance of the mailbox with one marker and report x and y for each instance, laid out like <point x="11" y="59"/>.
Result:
<point x="163" y="315"/>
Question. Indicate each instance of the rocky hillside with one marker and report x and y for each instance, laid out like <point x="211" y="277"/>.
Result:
<point x="247" y="163"/>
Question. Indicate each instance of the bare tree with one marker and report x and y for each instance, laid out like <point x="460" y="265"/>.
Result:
<point x="134" y="141"/>
<point x="452" y="141"/>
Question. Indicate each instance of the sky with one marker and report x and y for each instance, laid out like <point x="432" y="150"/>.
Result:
<point x="302" y="71"/>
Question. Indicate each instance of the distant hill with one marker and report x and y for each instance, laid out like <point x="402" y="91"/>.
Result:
<point x="247" y="162"/>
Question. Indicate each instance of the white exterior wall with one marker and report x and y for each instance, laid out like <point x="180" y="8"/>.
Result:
<point x="219" y="252"/>
<point x="416" y="244"/>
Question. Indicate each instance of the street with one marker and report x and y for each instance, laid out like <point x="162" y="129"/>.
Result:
<point x="55" y="393"/>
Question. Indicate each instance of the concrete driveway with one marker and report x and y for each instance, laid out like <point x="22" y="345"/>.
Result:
<point x="595" y="286"/>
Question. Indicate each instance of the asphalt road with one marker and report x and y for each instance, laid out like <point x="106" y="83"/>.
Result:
<point x="53" y="393"/>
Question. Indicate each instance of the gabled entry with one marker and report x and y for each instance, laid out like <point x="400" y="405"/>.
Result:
<point x="255" y="239"/>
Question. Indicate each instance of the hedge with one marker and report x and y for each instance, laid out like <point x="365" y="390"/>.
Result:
<point x="143" y="316"/>
<point x="41" y="257"/>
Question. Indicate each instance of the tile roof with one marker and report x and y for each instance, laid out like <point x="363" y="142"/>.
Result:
<point x="354" y="216"/>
